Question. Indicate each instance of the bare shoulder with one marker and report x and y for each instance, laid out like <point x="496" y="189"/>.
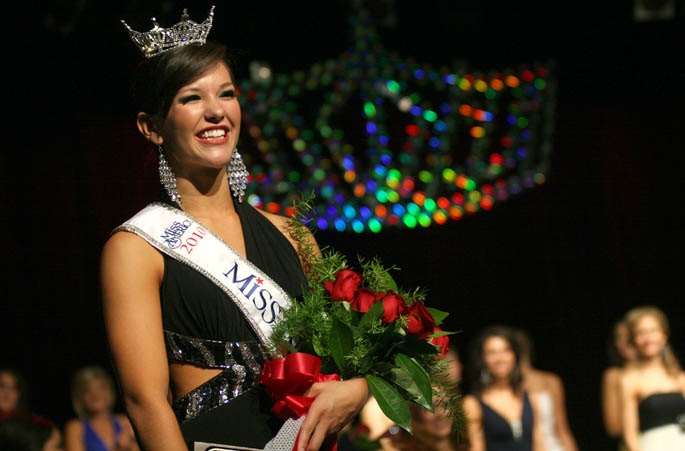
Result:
<point x="472" y="407"/>
<point x="74" y="423"/>
<point x="73" y="428"/>
<point x="553" y="380"/>
<point x="681" y="380"/>
<point x="283" y="225"/>
<point x="127" y="250"/>
<point x="611" y="373"/>
<point x="125" y="242"/>
<point x="280" y="222"/>
<point x="629" y="379"/>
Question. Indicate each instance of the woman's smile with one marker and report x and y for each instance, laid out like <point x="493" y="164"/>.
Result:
<point x="214" y="135"/>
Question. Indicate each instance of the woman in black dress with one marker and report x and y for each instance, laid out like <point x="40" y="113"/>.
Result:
<point x="187" y="354"/>
<point x="500" y="414"/>
<point x="653" y="388"/>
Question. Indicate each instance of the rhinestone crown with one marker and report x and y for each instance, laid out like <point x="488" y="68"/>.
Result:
<point x="159" y="40"/>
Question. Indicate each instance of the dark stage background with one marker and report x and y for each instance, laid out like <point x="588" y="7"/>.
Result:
<point x="564" y="260"/>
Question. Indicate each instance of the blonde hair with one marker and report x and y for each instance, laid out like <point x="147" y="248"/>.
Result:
<point x="633" y="316"/>
<point x="79" y="384"/>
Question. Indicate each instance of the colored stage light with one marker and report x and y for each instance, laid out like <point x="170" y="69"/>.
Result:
<point x="409" y="221"/>
<point x="357" y="226"/>
<point x="424" y="220"/>
<point x="477" y="132"/>
<point x="375" y="225"/>
<point x="369" y="109"/>
<point x="443" y="203"/>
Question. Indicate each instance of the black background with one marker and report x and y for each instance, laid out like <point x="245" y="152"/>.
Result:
<point x="563" y="260"/>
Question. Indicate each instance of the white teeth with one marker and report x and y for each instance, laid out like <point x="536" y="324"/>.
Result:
<point x="216" y="133"/>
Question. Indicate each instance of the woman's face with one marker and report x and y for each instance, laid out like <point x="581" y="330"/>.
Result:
<point x="97" y="397"/>
<point x="9" y="392"/>
<point x="623" y="345"/>
<point x="649" y="337"/>
<point x="203" y="123"/>
<point x="429" y="426"/>
<point x="498" y="357"/>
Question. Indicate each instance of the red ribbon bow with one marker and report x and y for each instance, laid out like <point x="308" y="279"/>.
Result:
<point x="286" y="380"/>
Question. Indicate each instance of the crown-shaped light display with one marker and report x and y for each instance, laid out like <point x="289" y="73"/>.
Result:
<point x="159" y="40"/>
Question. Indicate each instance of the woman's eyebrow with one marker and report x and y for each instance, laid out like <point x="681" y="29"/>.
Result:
<point x="223" y="85"/>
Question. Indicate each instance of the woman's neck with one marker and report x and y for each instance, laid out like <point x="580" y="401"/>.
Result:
<point x="206" y="194"/>
<point x="652" y="362"/>
<point x="98" y="416"/>
<point x="500" y="384"/>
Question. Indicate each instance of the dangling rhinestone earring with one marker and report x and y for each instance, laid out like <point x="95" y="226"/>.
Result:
<point x="167" y="178"/>
<point x="237" y="176"/>
<point x="485" y="377"/>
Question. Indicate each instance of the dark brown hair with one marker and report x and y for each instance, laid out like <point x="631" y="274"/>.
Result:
<point x="159" y="78"/>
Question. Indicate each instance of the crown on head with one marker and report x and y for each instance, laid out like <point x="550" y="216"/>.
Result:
<point x="159" y="40"/>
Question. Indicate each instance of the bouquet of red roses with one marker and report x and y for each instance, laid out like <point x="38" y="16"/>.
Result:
<point x="361" y="324"/>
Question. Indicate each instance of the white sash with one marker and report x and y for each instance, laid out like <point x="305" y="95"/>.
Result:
<point x="180" y="236"/>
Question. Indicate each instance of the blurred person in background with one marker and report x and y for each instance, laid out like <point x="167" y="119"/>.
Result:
<point x="96" y="428"/>
<point x="13" y="391"/>
<point x="501" y="415"/>
<point x="622" y="354"/>
<point x="21" y="431"/>
<point x="548" y="391"/>
<point x="431" y="431"/>
<point x="652" y="389"/>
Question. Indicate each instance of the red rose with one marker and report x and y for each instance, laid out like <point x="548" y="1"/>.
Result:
<point x="421" y="322"/>
<point x="442" y="342"/>
<point x="394" y="306"/>
<point x="364" y="300"/>
<point x="345" y="286"/>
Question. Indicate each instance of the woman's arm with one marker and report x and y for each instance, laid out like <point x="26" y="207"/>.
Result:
<point x="563" y="429"/>
<point x="131" y="274"/>
<point x="538" y="440"/>
<point x="73" y="436"/>
<point x="629" y="413"/>
<point x="474" y="423"/>
<point x="611" y="401"/>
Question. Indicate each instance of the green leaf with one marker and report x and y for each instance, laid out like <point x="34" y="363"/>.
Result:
<point x="402" y="379"/>
<point x="390" y="401"/>
<point x="438" y="315"/>
<point x="440" y="334"/>
<point x="412" y="346"/>
<point x="389" y="281"/>
<point x="340" y="342"/>
<point x="371" y="316"/>
<point x="419" y="376"/>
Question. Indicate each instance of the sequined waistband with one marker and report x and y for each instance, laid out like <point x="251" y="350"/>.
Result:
<point x="212" y="353"/>
<point x="241" y="363"/>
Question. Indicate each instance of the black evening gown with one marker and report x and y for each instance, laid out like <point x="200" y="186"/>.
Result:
<point x="203" y="327"/>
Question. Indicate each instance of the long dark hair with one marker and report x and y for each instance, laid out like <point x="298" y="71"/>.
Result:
<point x="477" y="366"/>
<point x="159" y="78"/>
